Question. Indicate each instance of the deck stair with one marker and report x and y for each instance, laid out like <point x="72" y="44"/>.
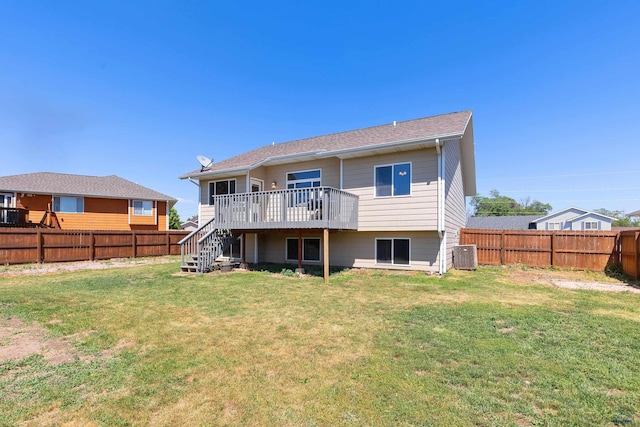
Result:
<point x="200" y="249"/>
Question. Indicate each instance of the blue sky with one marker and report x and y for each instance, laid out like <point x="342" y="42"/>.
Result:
<point x="138" y="89"/>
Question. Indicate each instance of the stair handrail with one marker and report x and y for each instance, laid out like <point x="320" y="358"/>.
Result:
<point x="211" y="246"/>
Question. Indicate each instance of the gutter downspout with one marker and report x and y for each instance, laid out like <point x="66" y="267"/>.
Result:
<point x="197" y="183"/>
<point x="440" y="209"/>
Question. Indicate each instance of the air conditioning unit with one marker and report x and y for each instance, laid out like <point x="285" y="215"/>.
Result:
<point x="465" y="257"/>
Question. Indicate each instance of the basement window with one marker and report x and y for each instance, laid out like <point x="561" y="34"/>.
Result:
<point x="393" y="251"/>
<point x="310" y="249"/>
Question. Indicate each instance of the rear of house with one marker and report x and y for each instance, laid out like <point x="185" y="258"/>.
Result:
<point x="390" y="196"/>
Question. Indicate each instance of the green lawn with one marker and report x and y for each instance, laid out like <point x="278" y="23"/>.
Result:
<point x="371" y="348"/>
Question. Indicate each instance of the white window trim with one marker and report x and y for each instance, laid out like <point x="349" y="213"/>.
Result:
<point x="133" y="208"/>
<point x="591" y="224"/>
<point x="286" y="247"/>
<point x="53" y="204"/>
<point x="551" y="226"/>
<point x="375" y="196"/>
<point x="219" y="180"/>
<point x="375" y="249"/>
<point x="304" y="180"/>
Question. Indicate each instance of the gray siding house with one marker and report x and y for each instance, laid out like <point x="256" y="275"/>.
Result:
<point x="575" y="219"/>
<point x="389" y="196"/>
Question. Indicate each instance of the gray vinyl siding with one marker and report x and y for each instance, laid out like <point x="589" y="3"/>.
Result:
<point x="357" y="249"/>
<point x="415" y="212"/>
<point x="455" y="204"/>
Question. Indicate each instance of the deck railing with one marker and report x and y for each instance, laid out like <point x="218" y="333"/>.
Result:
<point x="319" y="207"/>
<point x="13" y="217"/>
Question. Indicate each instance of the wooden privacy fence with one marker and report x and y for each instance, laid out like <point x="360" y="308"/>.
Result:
<point x="630" y="253"/>
<point x="581" y="250"/>
<point x="21" y="246"/>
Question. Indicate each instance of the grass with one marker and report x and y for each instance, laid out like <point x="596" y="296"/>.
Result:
<point x="371" y="348"/>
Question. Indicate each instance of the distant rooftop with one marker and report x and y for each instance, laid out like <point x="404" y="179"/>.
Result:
<point x="501" y="222"/>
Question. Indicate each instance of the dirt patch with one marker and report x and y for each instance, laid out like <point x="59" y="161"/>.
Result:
<point x="567" y="279"/>
<point x="58" y="267"/>
<point x="19" y="341"/>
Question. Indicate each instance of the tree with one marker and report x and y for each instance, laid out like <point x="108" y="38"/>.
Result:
<point x="621" y="219"/>
<point x="498" y="205"/>
<point x="194" y="218"/>
<point x="174" y="219"/>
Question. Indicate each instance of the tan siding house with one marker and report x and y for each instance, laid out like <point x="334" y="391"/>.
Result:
<point x="389" y="196"/>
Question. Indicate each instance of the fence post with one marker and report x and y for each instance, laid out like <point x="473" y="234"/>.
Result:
<point x="168" y="243"/>
<point x="553" y="249"/>
<point x="39" y="249"/>
<point x="637" y="255"/>
<point x="133" y="244"/>
<point x="92" y="247"/>
<point x="502" y="249"/>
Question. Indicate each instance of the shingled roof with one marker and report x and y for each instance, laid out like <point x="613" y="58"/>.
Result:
<point x="502" y="222"/>
<point x="442" y="126"/>
<point x="111" y="186"/>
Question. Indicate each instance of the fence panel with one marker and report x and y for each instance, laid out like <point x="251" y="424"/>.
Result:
<point x="21" y="246"/>
<point x="582" y="250"/>
<point x="630" y="253"/>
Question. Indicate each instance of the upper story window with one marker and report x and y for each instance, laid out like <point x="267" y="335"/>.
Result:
<point x="393" y="180"/>
<point x="591" y="225"/>
<point x="68" y="204"/>
<point x="220" y="188"/>
<point x="143" y="207"/>
<point x="304" y="179"/>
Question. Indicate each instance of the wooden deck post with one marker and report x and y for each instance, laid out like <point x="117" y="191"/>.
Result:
<point x="299" y="249"/>
<point x="244" y="250"/>
<point x="326" y="255"/>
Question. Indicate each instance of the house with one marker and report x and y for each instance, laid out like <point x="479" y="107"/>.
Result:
<point x="635" y="214"/>
<point x="189" y="226"/>
<point x="573" y="218"/>
<point x="522" y="222"/>
<point x="389" y="196"/>
<point x="79" y="202"/>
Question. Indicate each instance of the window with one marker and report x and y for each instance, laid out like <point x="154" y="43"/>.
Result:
<point x="591" y="225"/>
<point x="234" y="250"/>
<point x="303" y="179"/>
<point x="554" y="226"/>
<point x="143" y="207"/>
<point x="393" y="251"/>
<point x="220" y="188"/>
<point x="310" y="249"/>
<point x="393" y="180"/>
<point x="68" y="204"/>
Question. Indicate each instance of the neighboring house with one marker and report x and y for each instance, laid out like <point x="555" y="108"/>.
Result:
<point x="574" y="219"/>
<point x="189" y="226"/>
<point x="523" y="222"/>
<point x="634" y="214"/>
<point x="78" y="202"/>
<point x="389" y="196"/>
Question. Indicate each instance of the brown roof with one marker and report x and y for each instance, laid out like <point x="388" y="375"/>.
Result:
<point x="452" y="124"/>
<point x="110" y="186"/>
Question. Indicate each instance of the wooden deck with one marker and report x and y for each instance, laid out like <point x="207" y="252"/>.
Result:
<point x="300" y="208"/>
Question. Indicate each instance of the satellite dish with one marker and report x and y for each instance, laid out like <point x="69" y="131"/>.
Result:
<point x="204" y="161"/>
